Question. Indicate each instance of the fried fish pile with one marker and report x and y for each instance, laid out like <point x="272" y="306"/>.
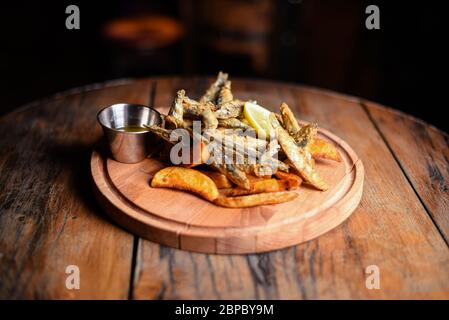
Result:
<point x="233" y="179"/>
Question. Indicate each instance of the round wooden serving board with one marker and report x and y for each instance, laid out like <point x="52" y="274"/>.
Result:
<point x="182" y="220"/>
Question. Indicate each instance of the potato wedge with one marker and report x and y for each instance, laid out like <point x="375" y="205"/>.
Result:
<point x="322" y="149"/>
<point x="260" y="186"/>
<point x="253" y="179"/>
<point x="293" y="180"/>
<point x="221" y="181"/>
<point x="256" y="199"/>
<point x="186" y="179"/>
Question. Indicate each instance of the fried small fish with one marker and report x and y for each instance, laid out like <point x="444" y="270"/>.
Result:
<point x="201" y="110"/>
<point x="289" y="121"/>
<point x="175" y="115"/>
<point x="225" y="95"/>
<point x="250" y="154"/>
<point x="209" y="119"/>
<point x="302" y="135"/>
<point x="191" y="107"/>
<point x="211" y="94"/>
<point x="269" y="162"/>
<point x="160" y="132"/>
<point x="279" y="117"/>
<point x="231" y="109"/>
<point x="300" y="158"/>
<point x="247" y="138"/>
<point x="230" y="170"/>
<point x="306" y="135"/>
<point x="269" y="168"/>
<point x="263" y="170"/>
<point x="171" y="136"/>
<point x="236" y="144"/>
<point x="233" y="123"/>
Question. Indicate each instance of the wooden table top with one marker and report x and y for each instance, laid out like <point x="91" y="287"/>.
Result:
<point x="49" y="218"/>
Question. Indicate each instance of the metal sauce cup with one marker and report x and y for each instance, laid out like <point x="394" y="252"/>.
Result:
<point x="128" y="147"/>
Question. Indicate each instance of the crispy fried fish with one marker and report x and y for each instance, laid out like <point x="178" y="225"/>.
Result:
<point x="279" y="117"/>
<point x="269" y="162"/>
<point x="211" y="94"/>
<point x="302" y="135"/>
<point x="299" y="157"/>
<point x="269" y="168"/>
<point x="306" y="135"/>
<point x="231" y="171"/>
<point x="232" y="143"/>
<point x="201" y="110"/>
<point x="191" y="107"/>
<point x="231" y="109"/>
<point x="160" y="132"/>
<point x="233" y="123"/>
<point x="225" y="95"/>
<point x="289" y="121"/>
<point x="175" y="116"/>
<point x="209" y="119"/>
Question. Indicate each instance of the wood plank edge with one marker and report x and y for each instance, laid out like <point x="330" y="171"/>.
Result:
<point x="401" y="166"/>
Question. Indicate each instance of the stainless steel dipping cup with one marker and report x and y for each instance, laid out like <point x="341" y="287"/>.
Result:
<point x="128" y="147"/>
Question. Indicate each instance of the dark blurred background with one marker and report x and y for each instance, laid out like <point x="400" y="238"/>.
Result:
<point x="321" y="43"/>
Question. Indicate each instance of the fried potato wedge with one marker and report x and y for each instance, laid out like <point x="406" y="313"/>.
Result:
<point x="252" y="178"/>
<point x="256" y="199"/>
<point x="293" y="180"/>
<point x="322" y="149"/>
<point x="260" y="186"/>
<point x="220" y="180"/>
<point x="186" y="179"/>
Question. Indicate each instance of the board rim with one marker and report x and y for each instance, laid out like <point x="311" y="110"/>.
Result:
<point x="193" y="238"/>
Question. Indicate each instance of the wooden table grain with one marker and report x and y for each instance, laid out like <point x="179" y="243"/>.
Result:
<point x="49" y="218"/>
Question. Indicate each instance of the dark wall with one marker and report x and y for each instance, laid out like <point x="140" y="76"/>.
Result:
<point x="322" y="43"/>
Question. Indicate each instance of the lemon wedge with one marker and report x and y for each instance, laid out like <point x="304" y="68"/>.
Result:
<point x="258" y="117"/>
